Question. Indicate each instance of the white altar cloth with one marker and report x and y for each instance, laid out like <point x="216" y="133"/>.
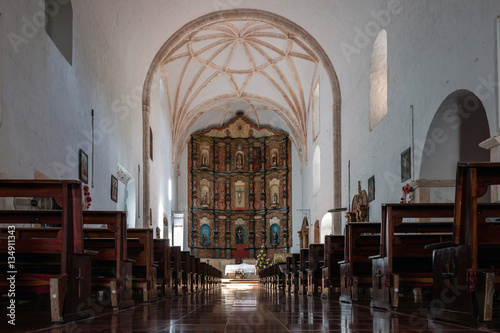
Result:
<point x="249" y="269"/>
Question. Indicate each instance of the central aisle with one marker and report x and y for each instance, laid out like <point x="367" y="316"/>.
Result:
<point x="248" y="308"/>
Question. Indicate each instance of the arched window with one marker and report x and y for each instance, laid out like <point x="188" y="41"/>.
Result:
<point x="378" y="80"/>
<point x="59" y="26"/>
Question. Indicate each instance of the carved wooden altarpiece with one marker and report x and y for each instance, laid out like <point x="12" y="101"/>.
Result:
<point x="240" y="190"/>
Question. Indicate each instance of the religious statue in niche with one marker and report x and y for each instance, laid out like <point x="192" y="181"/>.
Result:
<point x="274" y="157"/>
<point x="240" y="235"/>
<point x="360" y="205"/>
<point x="204" y="158"/>
<point x="239" y="160"/>
<point x="204" y="196"/>
<point x="205" y="234"/>
<point x="275" y="198"/>
<point x="275" y="234"/>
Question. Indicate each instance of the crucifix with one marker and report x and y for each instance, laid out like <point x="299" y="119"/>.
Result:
<point x="240" y="195"/>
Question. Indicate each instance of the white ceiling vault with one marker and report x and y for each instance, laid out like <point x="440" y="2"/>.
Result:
<point x="238" y="60"/>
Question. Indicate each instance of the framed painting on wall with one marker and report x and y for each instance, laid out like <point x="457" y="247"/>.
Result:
<point x="114" y="188"/>
<point x="83" y="167"/>
<point x="371" y="188"/>
<point x="406" y="165"/>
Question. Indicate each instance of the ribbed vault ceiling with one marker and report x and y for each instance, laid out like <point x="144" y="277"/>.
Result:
<point x="239" y="64"/>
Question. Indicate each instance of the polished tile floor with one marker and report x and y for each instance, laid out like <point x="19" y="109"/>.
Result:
<point x="240" y="309"/>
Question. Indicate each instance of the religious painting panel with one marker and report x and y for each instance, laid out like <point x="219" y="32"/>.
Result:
<point x="406" y="165"/>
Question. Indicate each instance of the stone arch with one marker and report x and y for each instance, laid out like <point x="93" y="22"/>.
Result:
<point x="459" y="125"/>
<point x="244" y="14"/>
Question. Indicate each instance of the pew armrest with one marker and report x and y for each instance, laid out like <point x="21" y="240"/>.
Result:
<point x="342" y="262"/>
<point x="440" y="245"/>
<point x="129" y="260"/>
<point x="378" y="256"/>
<point x="91" y="252"/>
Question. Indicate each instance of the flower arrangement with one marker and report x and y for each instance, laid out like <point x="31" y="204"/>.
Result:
<point x="243" y="275"/>
<point x="86" y="197"/>
<point x="407" y="194"/>
<point x="262" y="260"/>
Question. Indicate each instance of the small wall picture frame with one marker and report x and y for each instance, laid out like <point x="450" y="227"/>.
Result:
<point x="114" y="188"/>
<point x="83" y="167"/>
<point x="371" y="188"/>
<point x="406" y="165"/>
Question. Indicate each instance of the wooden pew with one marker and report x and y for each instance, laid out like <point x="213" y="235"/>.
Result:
<point x="303" y="267"/>
<point x="194" y="274"/>
<point x="199" y="275"/>
<point x="55" y="262"/>
<point x="464" y="267"/>
<point x="176" y="267"/>
<point x="288" y="274"/>
<point x="295" y="273"/>
<point x="279" y="273"/>
<point x="334" y="252"/>
<point x="186" y="280"/>
<point x="314" y="271"/>
<point x="144" y="269"/>
<point x="111" y="267"/>
<point x="162" y="257"/>
<point x="204" y="272"/>
<point x="403" y="260"/>
<point x="362" y="240"/>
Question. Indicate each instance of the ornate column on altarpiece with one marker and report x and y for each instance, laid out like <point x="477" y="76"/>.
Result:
<point x="217" y="224"/>
<point x="251" y="238"/>
<point x="228" y="238"/>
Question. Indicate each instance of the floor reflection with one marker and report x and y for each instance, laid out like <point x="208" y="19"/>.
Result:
<point x="246" y="308"/>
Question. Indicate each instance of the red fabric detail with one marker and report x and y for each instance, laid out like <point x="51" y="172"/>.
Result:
<point x="387" y="280"/>
<point x="471" y="280"/>
<point x="240" y="251"/>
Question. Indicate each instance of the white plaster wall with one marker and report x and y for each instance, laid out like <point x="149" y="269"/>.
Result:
<point x="318" y="169"/>
<point x="434" y="48"/>
<point x="46" y="102"/>
<point x="162" y="175"/>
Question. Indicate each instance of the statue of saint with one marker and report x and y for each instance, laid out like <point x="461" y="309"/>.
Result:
<point x="274" y="237"/>
<point x="205" y="239"/>
<point x="239" y="237"/>
<point x="239" y="160"/>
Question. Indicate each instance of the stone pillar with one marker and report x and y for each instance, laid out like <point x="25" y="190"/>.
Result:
<point x="146" y="114"/>
<point x="337" y="167"/>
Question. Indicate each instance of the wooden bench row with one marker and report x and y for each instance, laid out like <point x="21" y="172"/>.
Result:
<point x="455" y="255"/>
<point x="71" y="262"/>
